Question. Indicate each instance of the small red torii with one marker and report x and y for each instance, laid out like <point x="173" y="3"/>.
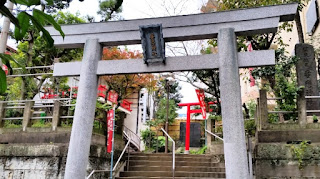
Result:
<point x="189" y="112"/>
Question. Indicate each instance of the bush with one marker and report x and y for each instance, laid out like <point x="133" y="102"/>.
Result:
<point x="13" y="124"/>
<point x="200" y="151"/>
<point x="41" y="123"/>
<point x="250" y="126"/>
<point x="148" y="137"/>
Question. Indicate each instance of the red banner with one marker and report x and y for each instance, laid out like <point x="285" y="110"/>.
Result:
<point x="110" y="118"/>
<point x="200" y="94"/>
<point x="113" y="97"/>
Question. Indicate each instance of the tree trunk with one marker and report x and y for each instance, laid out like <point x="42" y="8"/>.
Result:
<point x="29" y="60"/>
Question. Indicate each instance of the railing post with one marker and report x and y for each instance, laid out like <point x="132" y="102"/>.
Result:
<point x="128" y="164"/>
<point x="2" y="113"/>
<point x="263" y="109"/>
<point x="56" y="115"/>
<point x="209" y="127"/>
<point x="27" y="113"/>
<point x="302" y="108"/>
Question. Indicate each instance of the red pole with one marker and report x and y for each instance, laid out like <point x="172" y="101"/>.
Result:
<point x="187" y="142"/>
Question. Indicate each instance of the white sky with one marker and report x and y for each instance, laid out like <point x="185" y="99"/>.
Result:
<point x="136" y="9"/>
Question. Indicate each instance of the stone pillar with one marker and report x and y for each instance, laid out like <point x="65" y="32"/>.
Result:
<point x="235" y="151"/>
<point x="79" y="146"/>
<point x="257" y="115"/>
<point x="263" y="104"/>
<point x="209" y="127"/>
<point x="27" y="114"/>
<point x="302" y="110"/>
<point x="307" y="74"/>
<point x="2" y="113"/>
<point x="56" y="115"/>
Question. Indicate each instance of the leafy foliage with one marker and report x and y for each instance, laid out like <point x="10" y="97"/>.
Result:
<point x="33" y="51"/>
<point x="299" y="151"/>
<point x="38" y="19"/>
<point x="125" y="85"/>
<point x="282" y="81"/>
<point x="200" y="151"/>
<point x="280" y="74"/>
<point x="250" y="127"/>
<point x="161" y="113"/>
<point x="148" y="137"/>
<point x="173" y="89"/>
<point x="108" y="8"/>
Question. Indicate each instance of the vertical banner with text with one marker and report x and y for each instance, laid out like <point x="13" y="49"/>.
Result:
<point x="113" y="97"/>
<point x="200" y="94"/>
<point x="110" y="118"/>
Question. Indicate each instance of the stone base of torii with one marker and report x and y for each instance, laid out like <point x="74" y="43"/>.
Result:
<point x="224" y="25"/>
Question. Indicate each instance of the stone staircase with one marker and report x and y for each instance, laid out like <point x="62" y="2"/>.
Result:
<point x="156" y="166"/>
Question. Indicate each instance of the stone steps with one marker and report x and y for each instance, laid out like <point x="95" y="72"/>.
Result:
<point x="164" y="178"/>
<point x="178" y="168"/>
<point x="169" y="174"/>
<point x="154" y="166"/>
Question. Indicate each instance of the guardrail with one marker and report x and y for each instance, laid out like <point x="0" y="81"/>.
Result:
<point x="134" y="137"/>
<point x="173" y="152"/>
<point x="214" y="135"/>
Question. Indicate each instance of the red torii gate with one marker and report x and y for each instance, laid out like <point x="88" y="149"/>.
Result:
<point x="189" y="112"/>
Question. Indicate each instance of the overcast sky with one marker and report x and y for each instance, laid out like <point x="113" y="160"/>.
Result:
<point x="135" y="9"/>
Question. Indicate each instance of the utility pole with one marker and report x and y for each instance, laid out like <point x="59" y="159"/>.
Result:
<point x="5" y="31"/>
<point x="167" y="119"/>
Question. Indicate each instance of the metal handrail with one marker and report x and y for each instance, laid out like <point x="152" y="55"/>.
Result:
<point x="215" y="135"/>
<point x="115" y="166"/>
<point x="34" y="67"/>
<point x="173" y="152"/>
<point x="95" y="171"/>
<point x="312" y="97"/>
<point x="135" y="139"/>
<point x="41" y="100"/>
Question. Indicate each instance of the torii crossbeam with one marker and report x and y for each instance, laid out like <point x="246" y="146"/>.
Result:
<point x="224" y="25"/>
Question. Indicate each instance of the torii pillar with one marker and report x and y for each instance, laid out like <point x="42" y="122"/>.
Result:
<point x="231" y="108"/>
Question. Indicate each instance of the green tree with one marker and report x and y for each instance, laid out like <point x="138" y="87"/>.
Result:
<point x="173" y="88"/>
<point x="161" y="114"/>
<point x="33" y="51"/>
<point x="22" y="21"/>
<point x="108" y="9"/>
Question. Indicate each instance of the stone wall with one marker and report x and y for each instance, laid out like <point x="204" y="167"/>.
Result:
<point x="288" y="136"/>
<point x="279" y="161"/>
<point x="36" y="161"/>
<point x="43" y="135"/>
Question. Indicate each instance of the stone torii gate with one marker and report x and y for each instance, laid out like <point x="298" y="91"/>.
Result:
<point x="224" y="25"/>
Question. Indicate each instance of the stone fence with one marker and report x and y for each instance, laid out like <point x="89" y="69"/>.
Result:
<point x="32" y="111"/>
<point x="262" y="112"/>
